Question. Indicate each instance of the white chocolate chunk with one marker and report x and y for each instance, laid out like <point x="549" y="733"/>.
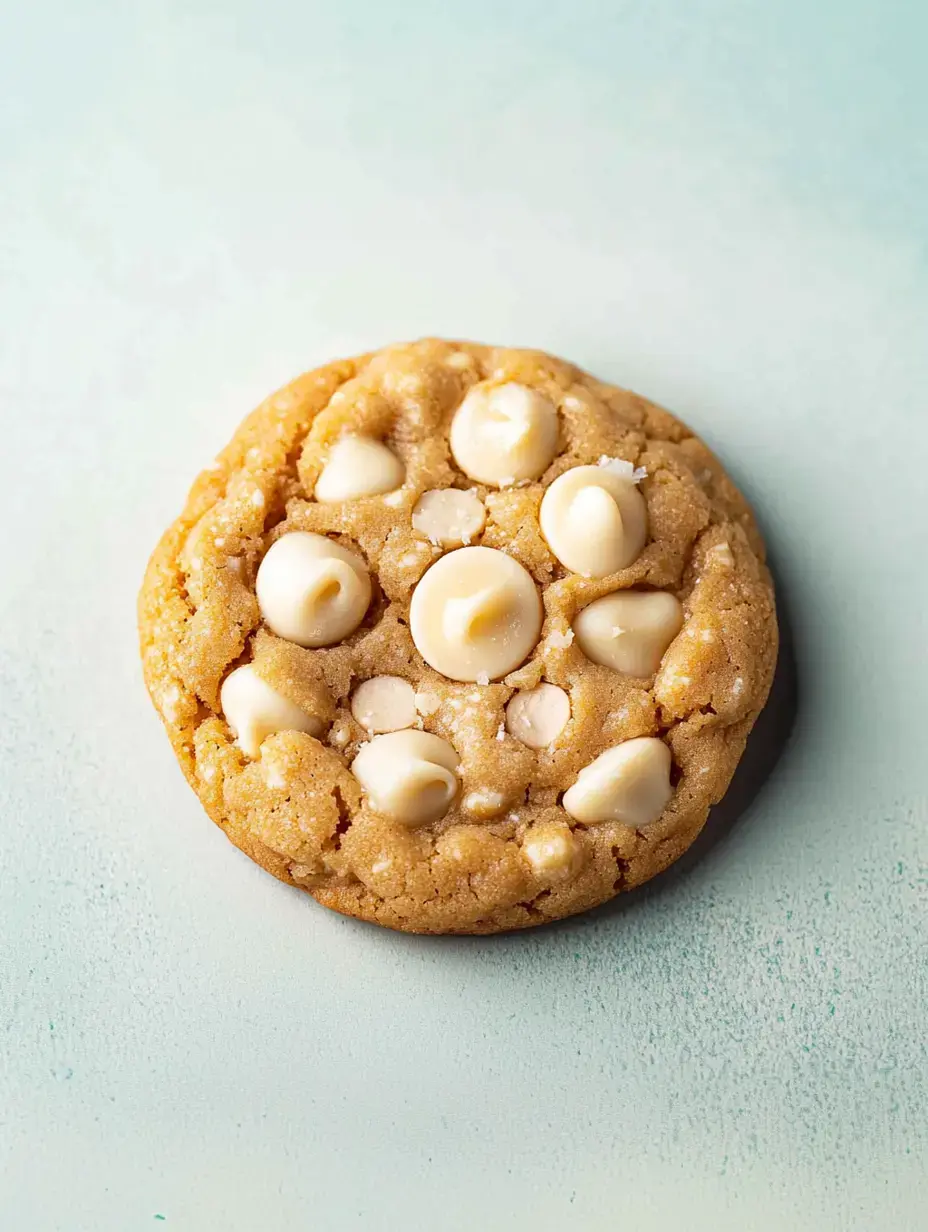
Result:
<point x="275" y="775"/>
<point x="384" y="704"/>
<point x="550" y="849"/>
<point x="623" y="468"/>
<point x="630" y="630"/>
<point x="312" y="591"/>
<point x="594" y="520"/>
<point x="502" y="434"/>
<point x="358" y="466"/>
<point x="475" y="614"/>
<point x="629" y="783"/>
<point x="255" y="711"/>
<point x="538" y="716"/>
<point x="408" y="775"/>
<point x="427" y="702"/>
<point x="449" y="517"/>
<point x="721" y="555"/>
<point x="558" y="640"/>
<point x="484" y="804"/>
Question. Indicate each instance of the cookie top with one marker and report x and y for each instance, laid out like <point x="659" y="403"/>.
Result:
<point x="458" y="638"/>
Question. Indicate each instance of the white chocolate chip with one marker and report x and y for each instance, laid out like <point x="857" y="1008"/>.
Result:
<point x="550" y="849"/>
<point x="257" y="498"/>
<point x="449" y="517"/>
<point x="312" y="591"/>
<point x="358" y="466"/>
<point x="538" y="716"/>
<point x="255" y="711"/>
<point x="408" y="775"/>
<point x="475" y="614"/>
<point x="630" y="630"/>
<point x="503" y="434"/>
<point x="629" y="783"/>
<point x="594" y="520"/>
<point x="384" y="704"/>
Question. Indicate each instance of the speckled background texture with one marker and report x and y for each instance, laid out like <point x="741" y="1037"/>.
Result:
<point x="719" y="204"/>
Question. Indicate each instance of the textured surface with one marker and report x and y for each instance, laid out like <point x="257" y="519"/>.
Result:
<point x="298" y="810"/>
<point x="720" y="204"/>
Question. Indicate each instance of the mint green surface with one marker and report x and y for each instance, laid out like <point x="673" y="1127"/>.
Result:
<point x="719" y="204"/>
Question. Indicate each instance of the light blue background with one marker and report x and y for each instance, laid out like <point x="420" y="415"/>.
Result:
<point x="721" y="205"/>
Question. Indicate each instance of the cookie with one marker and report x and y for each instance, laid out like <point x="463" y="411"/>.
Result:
<point x="459" y="638"/>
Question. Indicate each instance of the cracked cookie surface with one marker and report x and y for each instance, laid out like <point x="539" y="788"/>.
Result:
<point x="503" y="852"/>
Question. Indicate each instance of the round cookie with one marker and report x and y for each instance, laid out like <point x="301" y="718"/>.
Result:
<point x="485" y="761"/>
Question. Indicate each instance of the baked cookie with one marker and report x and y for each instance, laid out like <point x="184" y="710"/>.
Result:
<point x="458" y="638"/>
